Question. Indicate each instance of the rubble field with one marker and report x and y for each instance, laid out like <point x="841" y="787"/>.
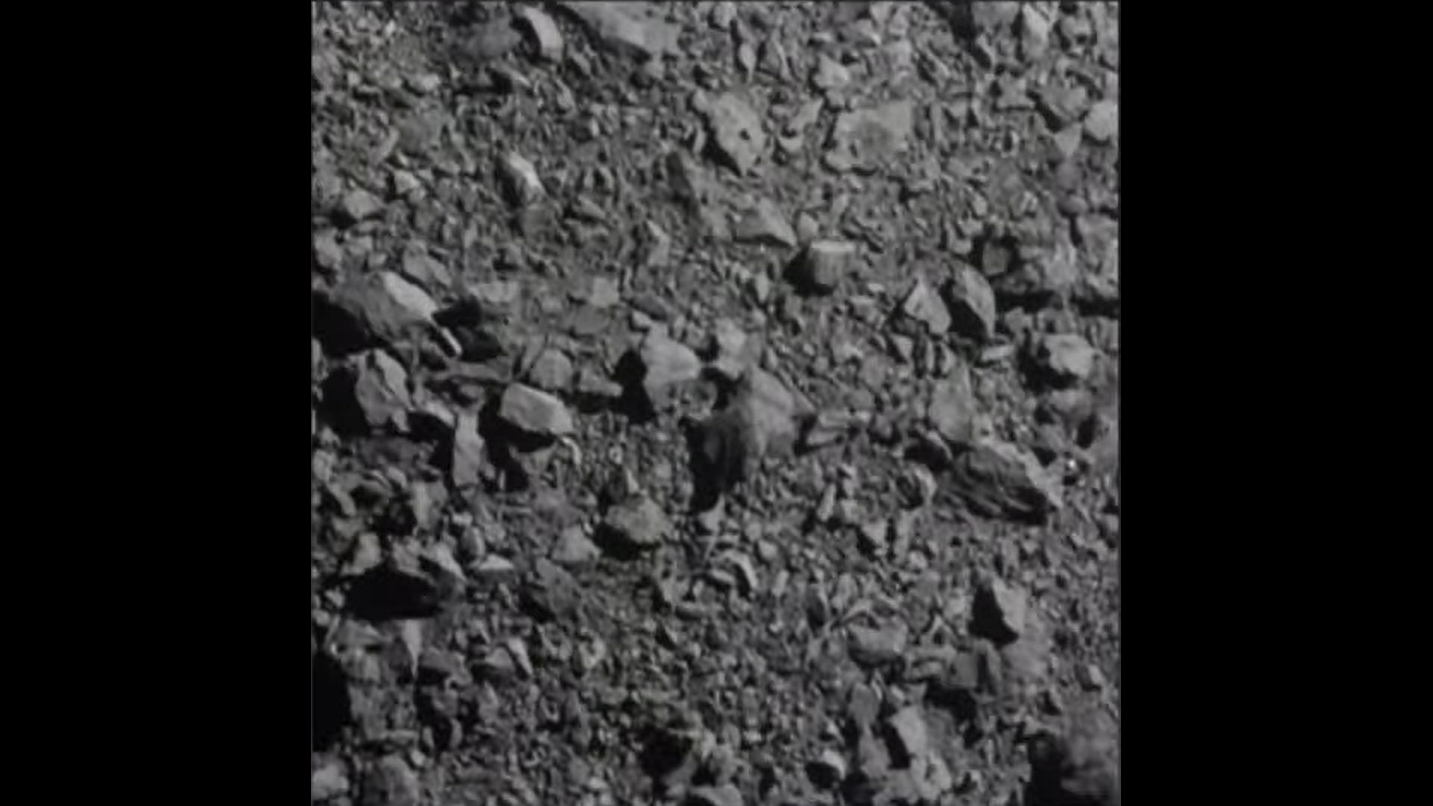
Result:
<point x="715" y="403"/>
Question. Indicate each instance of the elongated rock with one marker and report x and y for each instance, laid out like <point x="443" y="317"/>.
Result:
<point x="535" y="412"/>
<point x="998" y="479"/>
<point x="373" y="310"/>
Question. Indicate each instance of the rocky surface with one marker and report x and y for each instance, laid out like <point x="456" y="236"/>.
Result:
<point x="715" y="403"/>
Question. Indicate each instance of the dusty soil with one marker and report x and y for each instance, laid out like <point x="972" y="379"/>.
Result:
<point x="715" y="403"/>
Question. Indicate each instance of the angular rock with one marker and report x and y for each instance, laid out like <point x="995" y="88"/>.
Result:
<point x="773" y="414"/>
<point x="622" y="28"/>
<point x="468" y="460"/>
<point x="369" y="311"/>
<point x="911" y="739"/>
<point x="1067" y="140"/>
<point x="1041" y="277"/>
<point x="520" y="180"/>
<point x="882" y="646"/>
<point x="1062" y="105"/>
<point x="865" y="139"/>
<point x="1102" y="122"/>
<point x="661" y="362"/>
<point x="952" y="408"/>
<point x="731" y="350"/>
<point x="821" y="266"/>
<point x="639" y="523"/>
<point x="552" y="371"/>
<point x="391" y="782"/>
<point x="551" y="592"/>
<point x="1064" y="358"/>
<point x="592" y="384"/>
<point x="765" y="224"/>
<point x="535" y="412"/>
<point x="829" y="74"/>
<point x="573" y="547"/>
<point x="1000" y="612"/>
<point x="355" y="206"/>
<point x="971" y="304"/>
<point x="922" y="304"/>
<point x="1034" y="31"/>
<point x="423" y="269"/>
<point x="546" y="38"/>
<point x="828" y="770"/>
<point x="368" y="397"/>
<point x="735" y="129"/>
<point x="997" y="479"/>
<point x="327" y="254"/>
<point x="438" y="560"/>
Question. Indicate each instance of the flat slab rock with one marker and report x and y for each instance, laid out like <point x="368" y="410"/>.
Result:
<point x="735" y="129"/>
<point x="864" y="139"/>
<point x="625" y="27"/>
<point x="1000" y="480"/>
<point x="535" y="412"/>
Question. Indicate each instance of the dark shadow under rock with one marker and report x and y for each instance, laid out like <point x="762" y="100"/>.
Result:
<point x="332" y="709"/>
<point x="717" y="457"/>
<point x="386" y="593"/>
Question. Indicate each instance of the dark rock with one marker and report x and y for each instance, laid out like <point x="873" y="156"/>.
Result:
<point x="391" y="592"/>
<point x="719" y="455"/>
